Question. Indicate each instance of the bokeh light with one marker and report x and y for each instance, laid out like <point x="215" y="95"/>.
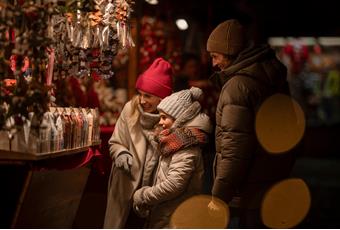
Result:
<point x="194" y="213"/>
<point x="182" y="24"/>
<point x="152" y="2"/>
<point x="280" y="124"/>
<point x="286" y="204"/>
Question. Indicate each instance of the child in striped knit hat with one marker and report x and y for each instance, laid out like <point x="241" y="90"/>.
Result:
<point x="179" y="174"/>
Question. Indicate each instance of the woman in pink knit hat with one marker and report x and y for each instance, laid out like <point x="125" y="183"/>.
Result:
<point x="129" y="148"/>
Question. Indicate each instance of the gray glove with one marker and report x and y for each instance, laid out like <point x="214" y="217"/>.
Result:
<point x="124" y="161"/>
<point x="138" y="198"/>
<point x="140" y="208"/>
<point x="142" y="211"/>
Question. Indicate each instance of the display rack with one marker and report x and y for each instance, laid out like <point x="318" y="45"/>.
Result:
<point x="12" y="155"/>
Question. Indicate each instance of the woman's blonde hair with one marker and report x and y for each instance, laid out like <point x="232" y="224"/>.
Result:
<point x="135" y="111"/>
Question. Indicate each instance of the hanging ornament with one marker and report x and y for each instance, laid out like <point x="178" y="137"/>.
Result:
<point x="122" y="14"/>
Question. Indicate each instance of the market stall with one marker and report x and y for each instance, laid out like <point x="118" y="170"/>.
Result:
<point x="50" y="136"/>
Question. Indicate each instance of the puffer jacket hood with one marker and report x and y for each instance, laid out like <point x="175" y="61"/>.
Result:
<point x="258" y="62"/>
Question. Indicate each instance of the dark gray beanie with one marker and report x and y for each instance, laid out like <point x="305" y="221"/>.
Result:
<point x="176" y="104"/>
<point x="227" y="38"/>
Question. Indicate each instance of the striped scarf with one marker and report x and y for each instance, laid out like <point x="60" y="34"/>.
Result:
<point x="172" y="140"/>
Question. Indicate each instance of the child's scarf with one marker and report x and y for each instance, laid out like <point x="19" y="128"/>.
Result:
<point x="172" y="140"/>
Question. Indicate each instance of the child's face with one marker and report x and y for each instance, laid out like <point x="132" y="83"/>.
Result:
<point x="165" y="121"/>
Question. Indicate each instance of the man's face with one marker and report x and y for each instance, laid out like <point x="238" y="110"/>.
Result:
<point x="148" y="101"/>
<point x="219" y="60"/>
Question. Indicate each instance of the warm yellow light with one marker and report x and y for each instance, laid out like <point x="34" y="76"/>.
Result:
<point x="280" y="123"/>
<point x="194" y="213"/>
<point x="286" y="204"/>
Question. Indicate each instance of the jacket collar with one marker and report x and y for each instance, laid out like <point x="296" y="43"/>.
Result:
<point x="147" y="120"/>
<point x="247" y="57"/>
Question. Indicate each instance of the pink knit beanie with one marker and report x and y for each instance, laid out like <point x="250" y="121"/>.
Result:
<point x="157" y="79"/>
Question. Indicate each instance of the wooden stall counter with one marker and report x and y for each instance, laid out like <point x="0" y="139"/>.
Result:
<point x="43" y="190"/>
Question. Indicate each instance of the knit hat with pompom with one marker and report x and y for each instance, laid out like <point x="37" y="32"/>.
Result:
<point x="176" y="104"/>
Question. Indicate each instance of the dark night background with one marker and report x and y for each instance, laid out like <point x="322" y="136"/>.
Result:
<point x="270" y="18"/>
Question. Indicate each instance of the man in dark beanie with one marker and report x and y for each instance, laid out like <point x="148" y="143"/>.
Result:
<point x="248" y="75"/>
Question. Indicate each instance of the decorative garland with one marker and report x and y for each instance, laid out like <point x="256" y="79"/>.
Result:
<point x="93" y="38"/>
